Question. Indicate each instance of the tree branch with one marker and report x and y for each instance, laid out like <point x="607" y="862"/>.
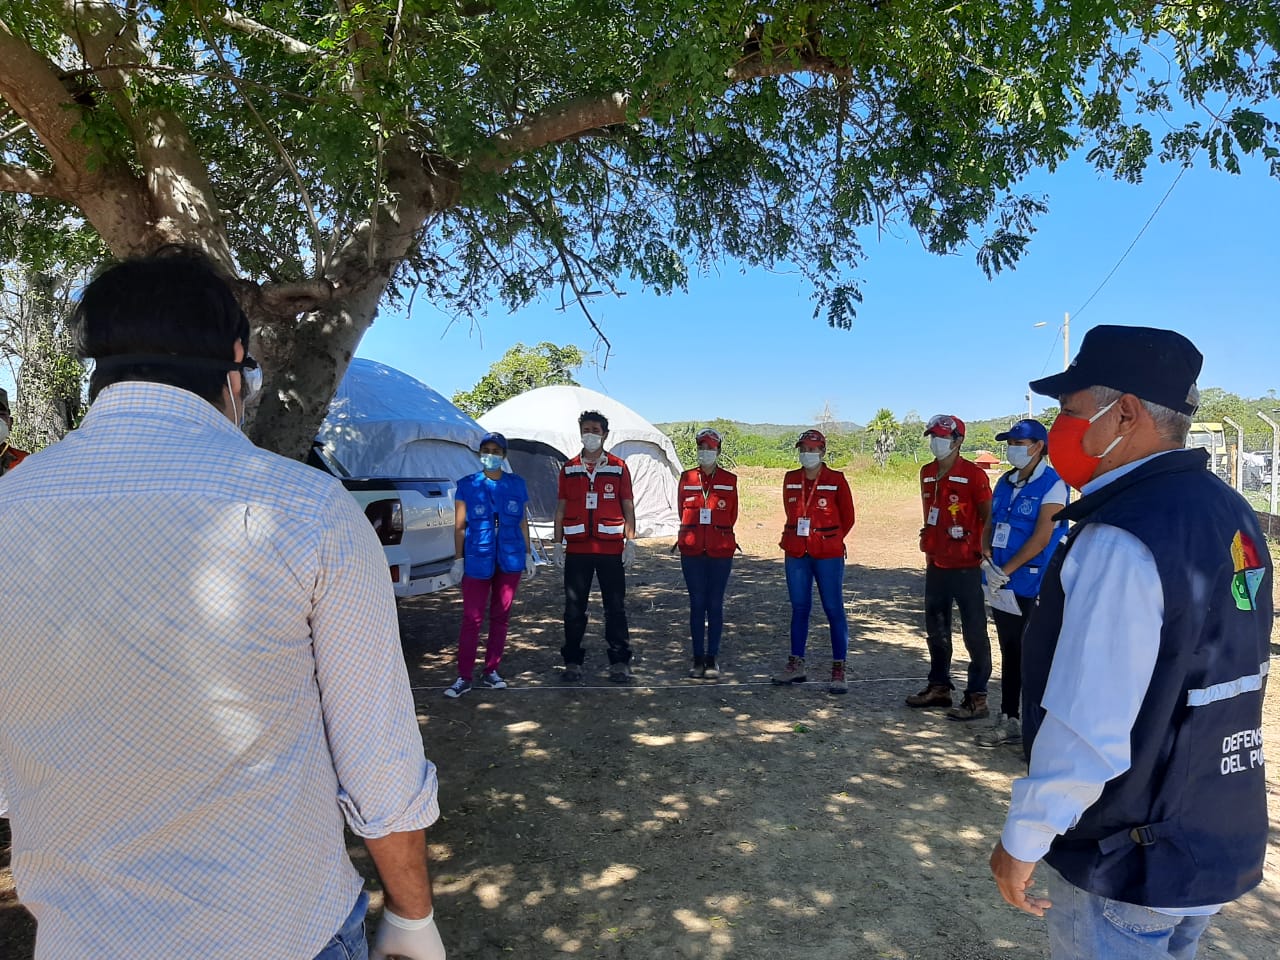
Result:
<point x="252" y="28"/>
<point x="36" y="183"/>
<point x="581" y="115"/>
<point x="30" y="86"/>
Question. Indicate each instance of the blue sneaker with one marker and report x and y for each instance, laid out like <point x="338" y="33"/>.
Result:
<point x="493" y="681"/>
<point x="459" y="687"/>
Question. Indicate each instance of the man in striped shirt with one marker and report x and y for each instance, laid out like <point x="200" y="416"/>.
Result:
<point x="203" y="677"/>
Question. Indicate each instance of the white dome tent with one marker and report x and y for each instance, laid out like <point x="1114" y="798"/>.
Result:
<point x="384" y="423"/>
<point x="541" y="427"/>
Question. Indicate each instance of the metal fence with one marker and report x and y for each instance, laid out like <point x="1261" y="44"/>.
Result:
<point x="1245" y="455"/>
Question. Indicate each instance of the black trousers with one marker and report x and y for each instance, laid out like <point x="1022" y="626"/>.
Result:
<point x="579" y="569"/>
<point x="964" y="588"/>
<point x="1009" y="630"/>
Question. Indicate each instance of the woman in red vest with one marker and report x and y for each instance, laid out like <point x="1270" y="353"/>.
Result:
<point x="819" y="506"/>
<point x="708" y="511"/>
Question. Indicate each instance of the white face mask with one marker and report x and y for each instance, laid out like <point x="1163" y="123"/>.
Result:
<point x="237" y="410"/>
<point x="940" y="447"/>
<point x="810" y="458"/>
<point x="591" y="442"/>
<point x="707" y="458"/>
<point x="1018" y="456"/>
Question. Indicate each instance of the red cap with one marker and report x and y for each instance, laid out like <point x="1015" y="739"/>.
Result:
<point x="944" y="425"/>
<point x="708" y="436"/>
<point x="812" y="438"/>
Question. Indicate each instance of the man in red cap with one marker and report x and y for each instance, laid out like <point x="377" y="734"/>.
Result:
<point x="956" y="496"/>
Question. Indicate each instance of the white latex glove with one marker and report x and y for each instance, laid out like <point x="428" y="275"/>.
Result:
<point x="995" y="576"/>
<point x="530" y="565"/>
<point x="628" y="553"/>
<point x="557" y="555"/>
<point x="455" y="572"/>
<point x="411" y="939"/>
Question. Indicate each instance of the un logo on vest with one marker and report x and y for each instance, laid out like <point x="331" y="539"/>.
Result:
<point x="1026" y="508"/>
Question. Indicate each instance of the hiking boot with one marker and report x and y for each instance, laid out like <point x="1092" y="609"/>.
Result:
<point x="709" y="669"/>
<point x="934" y="695"/>
<point x="620" y="673"/>
<point x="1004" y="729"/>
<point x="699" y="668"/>
<point x="572" y="673"/>
<point x="493" y="681"/>
<point x="972" y="707"/>
<point x="838" y="683"/>
<point x="459" y="687"/>
<point x="793" y="672"/>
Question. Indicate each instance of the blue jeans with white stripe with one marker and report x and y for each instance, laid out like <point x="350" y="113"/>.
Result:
<point x="829" y="574"/>
<point x="1085" y="926"/>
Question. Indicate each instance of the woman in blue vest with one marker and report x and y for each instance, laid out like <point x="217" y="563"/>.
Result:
<point x="491" y="542"/>
<point x="1018" y="541"/>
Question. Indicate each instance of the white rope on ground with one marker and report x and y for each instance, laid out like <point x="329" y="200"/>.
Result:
<point x="621" y="687"/>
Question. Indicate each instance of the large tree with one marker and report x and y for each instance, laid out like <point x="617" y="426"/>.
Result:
<point x="332" y="153"/>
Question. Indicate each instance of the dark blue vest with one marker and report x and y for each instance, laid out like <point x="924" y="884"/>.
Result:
<point x="1186" y="825"/>
<point x="1019" y="507"/>
<point x="494" y="512"/>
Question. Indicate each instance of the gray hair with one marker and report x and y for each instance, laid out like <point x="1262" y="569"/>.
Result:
<point x="1172" y="425"/>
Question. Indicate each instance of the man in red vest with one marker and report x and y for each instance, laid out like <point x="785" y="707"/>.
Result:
<point x="956" y="497"/>
<point x="10" y="456"/>
<point x="596" y="520"/>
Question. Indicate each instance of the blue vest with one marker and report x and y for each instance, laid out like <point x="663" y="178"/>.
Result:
<point x="1186" y="824"/>
<point x="495" y="509"/>
<point x="1019" y="507"/>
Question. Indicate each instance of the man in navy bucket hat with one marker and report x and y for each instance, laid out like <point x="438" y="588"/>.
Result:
<point x="1144" y="670"/>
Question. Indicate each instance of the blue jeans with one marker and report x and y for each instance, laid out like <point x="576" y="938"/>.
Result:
<point x="349" y="943"/>
<point x="706" y="578"/>
<point x="1085" y="926"/>
<point x="829" y="572"/>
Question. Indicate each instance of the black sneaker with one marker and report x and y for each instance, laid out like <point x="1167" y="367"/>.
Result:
<point x="620" y="673"/>
<point x="698" y="669"/>
<point x="572" y="673"/>
<point x="709" y="669"/>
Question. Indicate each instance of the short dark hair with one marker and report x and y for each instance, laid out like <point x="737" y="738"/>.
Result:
<point x="174" y="302"/>
<point x="595" y="415"/>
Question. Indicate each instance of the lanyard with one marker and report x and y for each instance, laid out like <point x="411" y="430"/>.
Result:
<point x="809" y="498"/>
<point x="706" y="489"/>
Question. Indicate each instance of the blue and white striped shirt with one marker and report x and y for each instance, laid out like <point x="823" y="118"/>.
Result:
<point x="202" y="677"/>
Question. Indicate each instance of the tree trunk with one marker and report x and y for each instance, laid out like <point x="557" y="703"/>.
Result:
<point x="51" y="377"/>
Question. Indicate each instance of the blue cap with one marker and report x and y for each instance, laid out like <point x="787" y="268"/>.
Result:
<point x="1025" y="430"/>
<point x="492" y="437"/>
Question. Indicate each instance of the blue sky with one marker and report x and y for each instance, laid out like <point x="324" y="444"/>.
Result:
<point x="933" y="334"/>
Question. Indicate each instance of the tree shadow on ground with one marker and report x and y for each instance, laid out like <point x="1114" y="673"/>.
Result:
<point x="730" y="819"/>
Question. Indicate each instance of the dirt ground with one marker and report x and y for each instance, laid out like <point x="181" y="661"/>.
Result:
<point x="730" y="819"/>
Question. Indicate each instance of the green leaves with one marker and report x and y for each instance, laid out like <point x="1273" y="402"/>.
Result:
<point x="521" y="369"/>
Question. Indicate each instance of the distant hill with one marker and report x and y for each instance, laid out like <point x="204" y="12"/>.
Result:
<point x="771" y="429"/>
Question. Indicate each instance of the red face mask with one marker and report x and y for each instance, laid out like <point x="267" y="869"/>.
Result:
<point x="1066" y="448"/>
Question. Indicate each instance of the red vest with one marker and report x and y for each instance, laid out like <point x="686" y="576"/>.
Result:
<point x="717" y="493"/>
<point x="955" y="498"/>
<point x="598" y="530"/>
<point x="825" y="502"/>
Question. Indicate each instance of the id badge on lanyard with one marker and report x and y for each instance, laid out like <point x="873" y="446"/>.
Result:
<point x="1000" y="535"/>
<point x="933" y="517"/>
<point x="593" y="499"/>
<point x="802" y="527"/>
<point x="704" y="516"/>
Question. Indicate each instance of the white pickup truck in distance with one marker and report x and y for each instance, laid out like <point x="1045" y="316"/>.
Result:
<point x="413" y="518"/>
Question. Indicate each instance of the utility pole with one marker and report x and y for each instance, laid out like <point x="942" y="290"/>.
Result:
<point x="1030" y="412"/>
<point x="1066" y="340"/>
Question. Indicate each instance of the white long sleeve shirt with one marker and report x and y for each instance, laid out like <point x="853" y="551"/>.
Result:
<point x="202" y="677"/>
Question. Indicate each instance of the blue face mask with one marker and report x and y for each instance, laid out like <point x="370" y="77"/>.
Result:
<point x="491" y="461"/>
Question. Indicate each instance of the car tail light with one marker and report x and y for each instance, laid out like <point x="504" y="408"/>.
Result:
<point x="387" y="517"/>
